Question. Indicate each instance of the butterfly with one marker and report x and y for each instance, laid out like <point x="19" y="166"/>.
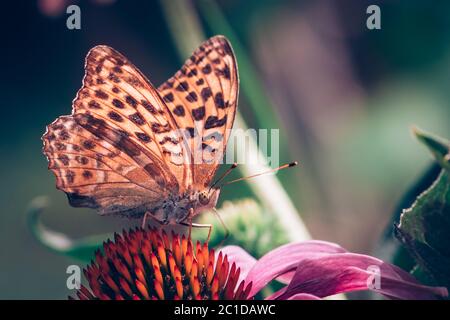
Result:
<point x="120" y="151"/>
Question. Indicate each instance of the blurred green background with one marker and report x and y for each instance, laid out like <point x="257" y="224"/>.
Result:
<point x="344" y="98"/>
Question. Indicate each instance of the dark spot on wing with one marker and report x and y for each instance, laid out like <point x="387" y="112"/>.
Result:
<point x="198" y="113"/>
<point x="60" y="146"/>
<point x="213" y="122"/>
<point x="218" y="100"/>
<point x="87" y="174"/>
<point x="83" y="160"/>
<point x="168" y="97"/>
<point x="70" y="175"/>
<point x="101" y="94"/>
<point x="123" y="132"/>
<point x="183" y="86"/>
<point x="94" y="104"/>
<point x="64" y="135"/>
<point x="113" y="77"/>
<point x="206" y="93"/>
<point x="88" y="144"/>
<point x="207" y="69"/>
<point x="117" y="103"/>
<point x="225" y="72"/>
<point x="200" y="59"/>
<point x="115" y="116"/>
<point x="179" y="111"/>
<point x="131" y="101"/>
<point x="168" y="139"/>
<point x="76" y="147"/>
<point x="137" y="119"/>
<point x="64" y="159"/>
<point x="158" y="128"/>
<point x="143" y="137"/>
<point x="150" y="108"/>
<point x="191" y="97"/>
<point x="191" y="131"/>
<point x="192" y="73"/>
<point x="112" y="155"/>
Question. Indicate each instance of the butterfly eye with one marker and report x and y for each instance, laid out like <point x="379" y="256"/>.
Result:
<point x="203" y="198"/>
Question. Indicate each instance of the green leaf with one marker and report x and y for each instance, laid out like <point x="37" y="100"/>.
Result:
<point x="439" y="147"/>
<point x="80" y="249"/>
<point x="424" y="229"/>
<point x="389" y="248"/>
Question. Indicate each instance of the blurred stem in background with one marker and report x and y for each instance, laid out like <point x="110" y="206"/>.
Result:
<point x="251" y="86"/>
<point x="187" y="33"/>
<point x="80" y="249"/>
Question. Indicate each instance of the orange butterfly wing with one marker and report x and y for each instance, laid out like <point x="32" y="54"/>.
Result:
<point x="203" y="96"/>
<point x="111" y="153"/>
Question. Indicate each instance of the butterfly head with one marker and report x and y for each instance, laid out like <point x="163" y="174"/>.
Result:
<point x="207" y="199"/>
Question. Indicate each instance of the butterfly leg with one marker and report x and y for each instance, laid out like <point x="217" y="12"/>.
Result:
<point x="198" y="225"/>
<point x="227" y="232"/>
<point x="149" y="214"/>
<point x="144" y="220"/>
<point x="191" y="213"/>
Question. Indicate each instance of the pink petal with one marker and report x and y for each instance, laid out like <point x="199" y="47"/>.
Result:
<point x="304" y="296"/>
<point x="345" y="272"/>
<point x="284" y="261"/>
<point x="242" y="259"/>
<point x="298" y="296"/>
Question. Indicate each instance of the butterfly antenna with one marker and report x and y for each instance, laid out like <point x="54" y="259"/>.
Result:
<point x="287" y="165"/>
<point x="234" y="165"/>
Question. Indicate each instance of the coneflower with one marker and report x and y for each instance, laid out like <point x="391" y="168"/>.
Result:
<point x="149" y="264"/>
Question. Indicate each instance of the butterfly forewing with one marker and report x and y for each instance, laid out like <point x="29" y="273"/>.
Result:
<point x="115" y="91"/>
<point x="202" y="96"/>
<point x="120" y="150"/>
